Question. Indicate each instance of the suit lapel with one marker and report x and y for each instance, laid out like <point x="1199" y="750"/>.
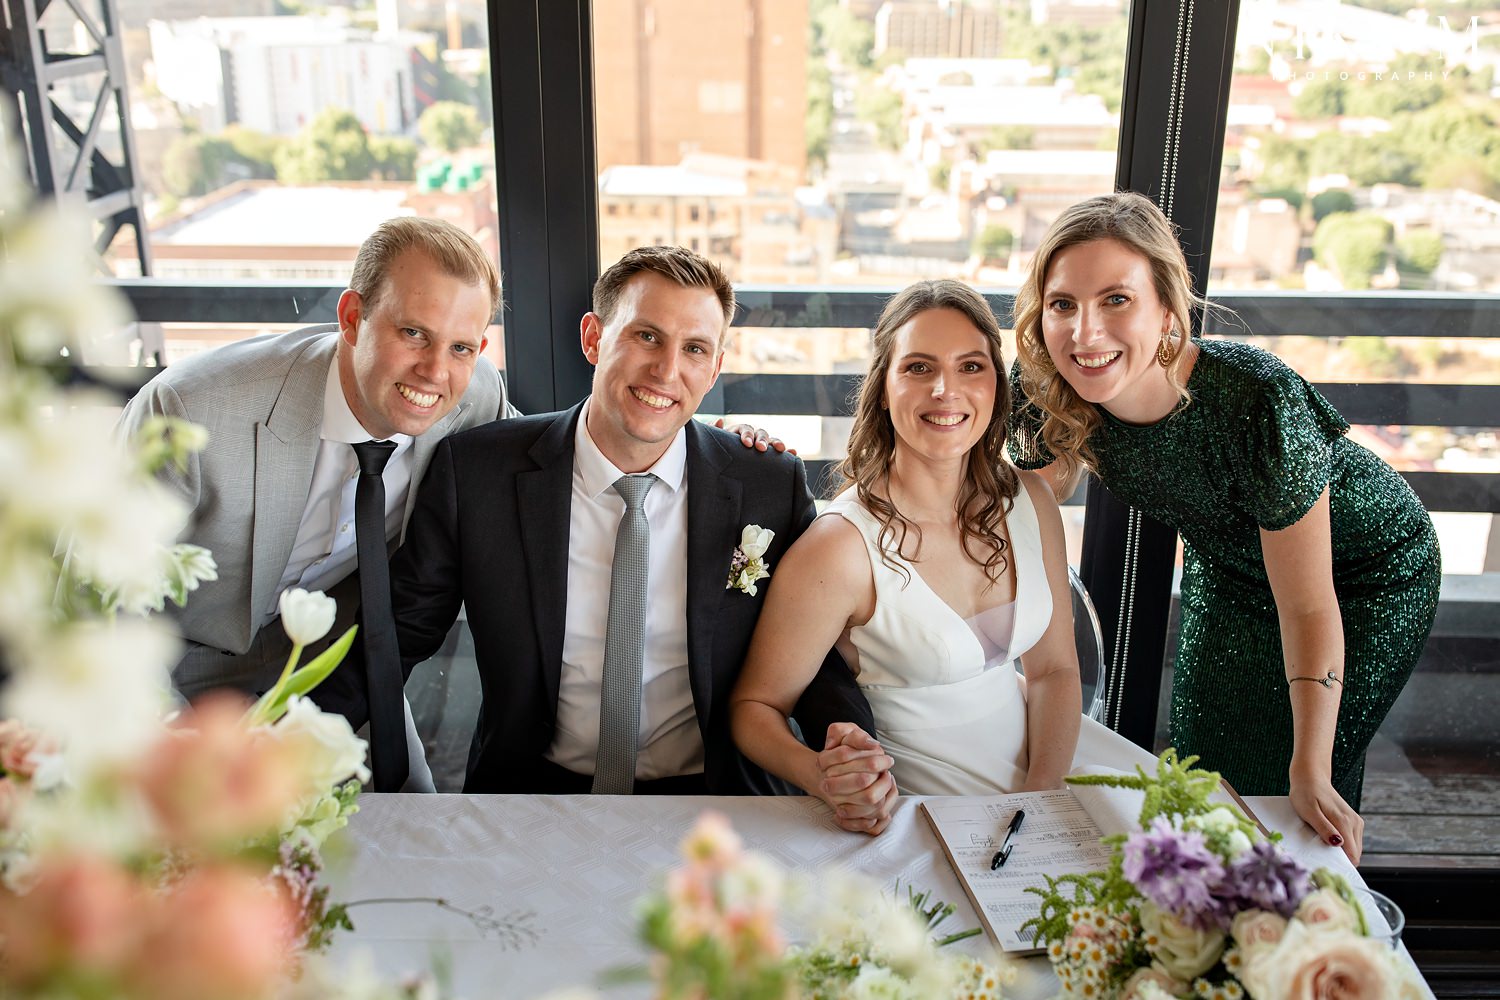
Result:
<point x="286" y="447"/>
<point x="422" y="448"/>
<point x="713" y="532"/>
<point x="544" y="511"/>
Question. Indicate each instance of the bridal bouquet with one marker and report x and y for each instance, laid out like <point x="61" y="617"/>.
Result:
<point x="1197" y="903"/>
<point x="715" y="931"/>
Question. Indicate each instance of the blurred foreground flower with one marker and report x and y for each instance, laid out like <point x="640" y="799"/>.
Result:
<point x="715" y="931"/>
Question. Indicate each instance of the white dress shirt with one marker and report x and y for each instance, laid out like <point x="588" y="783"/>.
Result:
<point x="324" y="552"/>
<point x="670" y="743"/>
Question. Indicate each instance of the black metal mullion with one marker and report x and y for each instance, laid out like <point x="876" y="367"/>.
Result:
<point x="542" y="74"/>
<point x="1176" y="94"/>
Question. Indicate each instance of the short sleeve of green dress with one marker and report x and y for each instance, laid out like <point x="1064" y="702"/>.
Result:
<point x="1024" y="432"/>
<point x="1254" y="450"/>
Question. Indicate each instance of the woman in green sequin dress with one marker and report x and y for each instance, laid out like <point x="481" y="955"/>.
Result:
<point x="1305" y="555"/>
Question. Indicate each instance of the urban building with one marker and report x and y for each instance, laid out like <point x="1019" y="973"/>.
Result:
<point x="727" y="77"/>
<point x="274" y="74"/>
<point x="752" y="217"/>
<point x="952" y="29"/>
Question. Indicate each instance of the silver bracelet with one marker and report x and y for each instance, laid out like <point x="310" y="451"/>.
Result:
<point x="1327" y="682"/>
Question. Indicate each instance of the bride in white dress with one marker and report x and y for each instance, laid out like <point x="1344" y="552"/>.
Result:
<point x="934" y="572"/>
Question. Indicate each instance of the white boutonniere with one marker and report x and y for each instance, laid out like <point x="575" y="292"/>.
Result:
<point x="748" y="564"/>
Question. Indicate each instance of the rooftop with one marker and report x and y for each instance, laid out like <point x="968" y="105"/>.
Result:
<point x="269" y="214"/>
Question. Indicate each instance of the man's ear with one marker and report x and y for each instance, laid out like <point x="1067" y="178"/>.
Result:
<point x="590" y="333"/>
<point x="351" y="308"/>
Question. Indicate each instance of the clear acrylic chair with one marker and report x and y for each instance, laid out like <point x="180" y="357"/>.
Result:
<point x="1093" y="669"/>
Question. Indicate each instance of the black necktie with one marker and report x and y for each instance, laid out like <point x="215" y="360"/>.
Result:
<point x="382" y="653"/>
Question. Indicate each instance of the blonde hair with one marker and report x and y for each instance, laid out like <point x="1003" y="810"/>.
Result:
<point x="454" y="252"/>
<point x="1137" y="224"/>
<point x="990" y="484"/>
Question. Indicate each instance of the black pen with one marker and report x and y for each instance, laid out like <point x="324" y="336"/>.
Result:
<point x="1003" y="855"/>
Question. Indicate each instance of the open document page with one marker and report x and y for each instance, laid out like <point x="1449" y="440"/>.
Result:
<point x="1057" y="837"/>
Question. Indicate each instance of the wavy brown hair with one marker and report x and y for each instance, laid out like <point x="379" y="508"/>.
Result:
<point x="1134" y="221"/>
<point x="990" y="484"/>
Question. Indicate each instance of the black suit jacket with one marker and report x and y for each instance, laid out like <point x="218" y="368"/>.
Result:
<point x="490" y="531"/>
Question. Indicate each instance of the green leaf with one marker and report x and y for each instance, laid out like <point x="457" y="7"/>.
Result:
<point x="272" y="704"/>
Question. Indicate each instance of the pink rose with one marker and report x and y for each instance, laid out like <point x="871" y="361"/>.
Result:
<point x="18" y="749"/>
<point x="213" y="781"/>
<point x="80" y="915"/>
<point x="221" y="932"/>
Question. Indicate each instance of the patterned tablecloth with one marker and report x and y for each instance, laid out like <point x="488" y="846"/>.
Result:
<point x="567" y="871"/>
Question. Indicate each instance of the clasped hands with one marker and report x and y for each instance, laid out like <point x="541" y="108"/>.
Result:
<point x="856" y="779"/>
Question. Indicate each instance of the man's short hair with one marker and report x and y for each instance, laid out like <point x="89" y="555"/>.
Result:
<point x="454" y="252"/>
<point x="677" y="264"/>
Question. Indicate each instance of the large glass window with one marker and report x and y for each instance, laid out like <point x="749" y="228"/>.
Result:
<point x="270" y="138"/>
<point x="1362" y="162"/>
<point x="848" y="143"/>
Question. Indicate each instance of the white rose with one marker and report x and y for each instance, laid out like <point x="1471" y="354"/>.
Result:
<point x="1152" y="983"/>
<point x="1325" y="910"/>
<point x="306" y="615"/>
<point x="755" y="540"/>
<point x="329" y="750"/>
<point x="1183" y="951"/>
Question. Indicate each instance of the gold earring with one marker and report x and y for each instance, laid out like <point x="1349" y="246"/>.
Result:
<point x="1165" y="352"/>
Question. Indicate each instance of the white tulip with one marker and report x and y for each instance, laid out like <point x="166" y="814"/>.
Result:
<point x="755" y="540"/>
<point x="306" y="615"/>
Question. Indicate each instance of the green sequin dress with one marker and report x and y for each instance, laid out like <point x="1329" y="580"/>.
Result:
<point x="1255" y="449"/>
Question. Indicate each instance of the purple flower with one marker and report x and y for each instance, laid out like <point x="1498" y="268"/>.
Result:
<point x="1264" y="878"/>
<point x="1176" y="870"/>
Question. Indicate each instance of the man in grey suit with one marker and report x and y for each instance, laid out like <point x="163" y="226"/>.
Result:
<point x="273" y="493"/>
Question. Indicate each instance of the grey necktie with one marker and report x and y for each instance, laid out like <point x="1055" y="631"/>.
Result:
<point x="624" y="643"/>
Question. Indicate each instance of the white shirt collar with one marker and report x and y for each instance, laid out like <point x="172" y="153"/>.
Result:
<point x="339" y="422"/>
<point x="599" y="473"/>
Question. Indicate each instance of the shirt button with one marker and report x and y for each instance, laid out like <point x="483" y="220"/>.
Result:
<point x="344" y="528"/>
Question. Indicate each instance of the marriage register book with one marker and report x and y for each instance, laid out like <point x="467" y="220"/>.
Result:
<point x="1060" y="836"/>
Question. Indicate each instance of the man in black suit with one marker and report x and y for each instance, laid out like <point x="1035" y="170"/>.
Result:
<point x="520" y="521"/>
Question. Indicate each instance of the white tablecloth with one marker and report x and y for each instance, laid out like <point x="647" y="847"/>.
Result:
<point x="569" y="870"/>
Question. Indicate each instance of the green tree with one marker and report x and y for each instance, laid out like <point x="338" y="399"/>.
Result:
<point x="1321" y="99"/>
<point x="1353" y="245"/>
<point x="449" y="126"/>
<point x="881" y="108"/>
<point x="257" y="150"/>
<point x="193" y="165"/>
<point x="994" y="243"/>
<point x="1328" y="202"/>
<point x="1409" y="93"/>
<point x="395" y="157"/>
<point x="333" y="147"/>
<point x="1377" y="356"/>
<point x="1006" y="137"/>
<point x="847" y="36"/>
<point x="1283" y="164"/>
<point x="818" y="122"/>
<point x="1462" y="132"/>
<point x="1292" y="197"/>
<point x="1419" y="251"/>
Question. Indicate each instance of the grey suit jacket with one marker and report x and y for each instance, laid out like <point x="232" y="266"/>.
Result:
<point x="261" y="401"/>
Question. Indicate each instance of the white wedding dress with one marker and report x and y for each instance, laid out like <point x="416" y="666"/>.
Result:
<point x="944" y="691"/>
